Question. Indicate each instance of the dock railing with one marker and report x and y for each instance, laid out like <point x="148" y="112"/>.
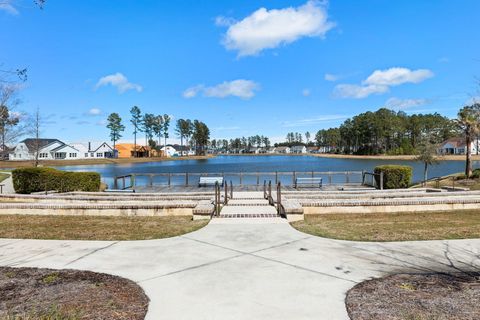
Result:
<point x="370" y="179"/>
<point x="187" y="179"/>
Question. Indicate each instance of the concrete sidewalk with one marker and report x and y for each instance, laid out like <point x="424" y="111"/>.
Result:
<point x="257" y="269"/>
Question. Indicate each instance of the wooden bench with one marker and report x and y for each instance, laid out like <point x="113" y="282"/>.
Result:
<point x="210" y="181"/>
<point x="311" y="182"/>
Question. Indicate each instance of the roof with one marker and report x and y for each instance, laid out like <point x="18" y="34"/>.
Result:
<point x="297" y="147"/>
<point x="282" y="148"/>
<point x="63" y="146"/>
<point x="312" y="148"/>
<point x="31" y="143"/>
<point x="455" y="142"/>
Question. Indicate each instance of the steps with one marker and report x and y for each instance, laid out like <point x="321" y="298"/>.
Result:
<point x="249" y="205"/>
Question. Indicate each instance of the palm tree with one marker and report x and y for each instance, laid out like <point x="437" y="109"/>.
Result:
<point x="469" y="122"/>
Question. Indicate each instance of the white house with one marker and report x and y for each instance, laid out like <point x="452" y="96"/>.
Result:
<point x="54" y="149"/>
<point x="48" y="149"/>
<point x="282" y="149"/>
<point x="298" y="149"/>
<point x="458" y="146"/>
<point x="93" y="150"/>
<point x="169" y="151"/>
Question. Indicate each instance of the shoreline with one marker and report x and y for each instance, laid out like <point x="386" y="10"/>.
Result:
<point x="5" y="164"/>
<point x="351" y="156"/>
<point x="87" y="162"/>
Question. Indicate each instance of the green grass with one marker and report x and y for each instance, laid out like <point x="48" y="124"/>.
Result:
<point x="461" y="224"/>
<point x="95" y="228"/>
<point x="3" y="176"/>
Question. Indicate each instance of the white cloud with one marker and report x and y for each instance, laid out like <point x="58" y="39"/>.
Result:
<point x="332" y="77"/>
<point x="244" y="89"/>
<point x="222" y="21"/>
<point x="313" y="121"/>
<point x="267" y="29"/>
<point x="7" y="6"/>
<point x="380" y="82"/>
<point x="120" y="81"/>
<point x="399" y="104"/>
<point x="306" y="92"/>
<point x="192" y="92"/>
<point x="94" y="112"/>
<point x="358" y="92"/>
<point x="397" y="76"/>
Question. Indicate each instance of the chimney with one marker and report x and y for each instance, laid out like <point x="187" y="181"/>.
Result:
<point x="89" y="146"/>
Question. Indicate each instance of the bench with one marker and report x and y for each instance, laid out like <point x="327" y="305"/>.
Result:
<point x="312" y="182"/>
<point x="210" y="181"/>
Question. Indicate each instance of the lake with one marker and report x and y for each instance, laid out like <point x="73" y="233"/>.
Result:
<point x="263" y="164"/>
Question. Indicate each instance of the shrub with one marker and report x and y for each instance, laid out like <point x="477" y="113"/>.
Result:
<point x="476" y="173"/>
<point x="394" y="176"/>
<point x="28" y="180"/>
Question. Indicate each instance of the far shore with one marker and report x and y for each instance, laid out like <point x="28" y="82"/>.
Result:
<point x="351" y="156"/>
<point x="86" y="162"/>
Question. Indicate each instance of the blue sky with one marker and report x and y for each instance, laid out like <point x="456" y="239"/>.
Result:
<point x="243" y="67"/>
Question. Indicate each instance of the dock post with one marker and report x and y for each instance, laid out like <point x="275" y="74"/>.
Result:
<point x="186" y="179"/>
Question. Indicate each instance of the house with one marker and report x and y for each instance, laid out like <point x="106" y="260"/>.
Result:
<point x="298" y="149"/>
<point x="312" y="149"/>
<point x="457" y="146"/>
<point x="130" y="150"/>
<point x="95" y="150"/>
<point x="282" y="149"/>
<point x="272" y="150"/>
<point x="169" y="151"/>
<point x="48" y="149"/>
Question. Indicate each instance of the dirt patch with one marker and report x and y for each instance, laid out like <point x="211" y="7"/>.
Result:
<point x="30" y="293"/>
<point x="416" y="297"/>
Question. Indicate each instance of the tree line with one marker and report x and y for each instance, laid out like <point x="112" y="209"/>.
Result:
<point x="236" y="145"/>
<point x="155" y="127"/>
<point x="386" y="132"/>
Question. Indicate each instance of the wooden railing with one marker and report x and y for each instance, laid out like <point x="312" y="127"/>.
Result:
<point x="370" y="179"/>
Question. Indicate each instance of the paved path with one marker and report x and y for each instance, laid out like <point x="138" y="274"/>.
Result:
<point x="8" y="184"/>
<point x="257" y="269"/>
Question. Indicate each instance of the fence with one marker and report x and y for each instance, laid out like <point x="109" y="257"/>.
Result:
<point x="287" y="178"/>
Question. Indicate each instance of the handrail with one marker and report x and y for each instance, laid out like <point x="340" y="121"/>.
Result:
<point x="231" y="189"/>
<point x="277" y="175"/>
<point x="280" y="210"/>
<point x="374" y="181"/>
<point x="217" y="207"/>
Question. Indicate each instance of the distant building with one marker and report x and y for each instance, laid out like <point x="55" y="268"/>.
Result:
<point x="169" y="151"/>
<point x="298" y="149"/>
<point x="457" y="146"/>
<point x="282" y="149"/>
<point x="95" y="150"/>
<point x="272" y="150"/>
<point x="48" y="149"/>
<point x="54" y="149"/>
<point x="129" y="150"/>
<point x="312" y="149"/>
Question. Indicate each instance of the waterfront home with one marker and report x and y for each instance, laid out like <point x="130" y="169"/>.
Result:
<point x="129" y="150"/>
<point x="169" y="151"/>
<point x="272" y="150"/>
<point x="92" y="150"/>
<point x="48" y="149"/>
<point x="458" y="146"/>
<point x="298" y="149"/>
<point x="312" y="149"/>
<point x="282" y="149"/>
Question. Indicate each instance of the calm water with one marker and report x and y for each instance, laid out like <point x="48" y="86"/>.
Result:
<point x="261" y="164"/>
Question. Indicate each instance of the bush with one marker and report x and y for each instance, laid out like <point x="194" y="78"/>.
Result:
<point x="476" y="173"/>
<point x="28" y="180"/>
<point x="394" y="176"/>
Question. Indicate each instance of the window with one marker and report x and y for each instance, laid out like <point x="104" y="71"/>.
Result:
<point x="43" y="155"/>
<point x="86" y="155"/>
<point x="72" y="155"/>
<point x="99" y="155"/>
<point x="92" y="154"/>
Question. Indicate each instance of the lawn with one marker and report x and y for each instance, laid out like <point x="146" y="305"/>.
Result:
<point x="3" y="176"/>
<point x="462" y="224"/>
<point x="95" y="228"/>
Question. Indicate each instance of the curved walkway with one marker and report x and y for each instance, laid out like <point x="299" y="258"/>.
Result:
<point x="248" y="269"/>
